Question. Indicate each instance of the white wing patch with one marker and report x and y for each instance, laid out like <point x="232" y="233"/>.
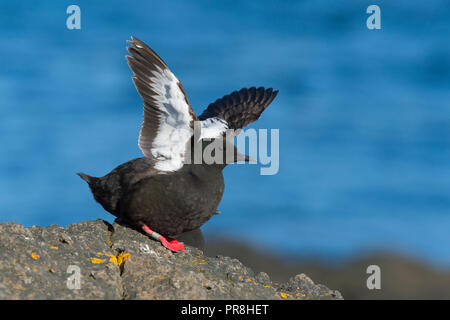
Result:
<point x="174" y="131"/>
<point x="212" y="128"/>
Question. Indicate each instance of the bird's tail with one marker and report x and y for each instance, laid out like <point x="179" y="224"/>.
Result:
<point x="86" y="178"/>
<point x="102" y="192"/>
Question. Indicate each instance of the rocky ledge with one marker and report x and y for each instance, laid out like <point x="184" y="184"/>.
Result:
<point x="97" y="260"/>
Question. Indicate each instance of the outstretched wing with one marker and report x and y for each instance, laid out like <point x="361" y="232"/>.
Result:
<point x="240" y="108"/>
<point x="168" y="119"/>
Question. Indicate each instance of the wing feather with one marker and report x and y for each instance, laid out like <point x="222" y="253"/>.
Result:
<point x="240" y="108"/>
<point x="167" y="124"/>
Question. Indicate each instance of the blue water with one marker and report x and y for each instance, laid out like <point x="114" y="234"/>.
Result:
<point x="364" y="115"/>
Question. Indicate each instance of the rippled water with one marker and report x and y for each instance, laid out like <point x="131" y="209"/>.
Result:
<point x="364" y="116"/>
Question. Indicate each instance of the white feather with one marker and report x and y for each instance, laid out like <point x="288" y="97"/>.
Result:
<point x="212" y="128"/>
<point x="174" y="131"/>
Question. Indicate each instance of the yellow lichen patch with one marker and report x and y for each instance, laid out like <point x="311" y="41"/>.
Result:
<point x="117" y="260"/>
<point x="97" y="260"/>
<point x="300" y="294"/>
<point x="200" y="261"/>
<point x="121" y="258"/>
<point x="160" y="277"/>
<point x="249" y="280"/>
<point x="266" y="286"/>
<point x="34" y="270"/>
<point x="35" y="256"/>
<point x="53" y="247"/>
<point x="104" y="254"/>
<point x="52" y="270"/>
<point x="284" y="295"/>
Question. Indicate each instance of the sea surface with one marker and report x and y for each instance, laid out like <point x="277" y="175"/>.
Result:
<point x="363" y="115"/>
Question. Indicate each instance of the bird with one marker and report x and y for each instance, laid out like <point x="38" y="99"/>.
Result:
<point x="168" y="192"/>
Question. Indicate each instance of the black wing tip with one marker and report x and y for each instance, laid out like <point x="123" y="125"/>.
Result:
<point x="266" y="95"/>
<point x="259" y="88"/>
<point x="252" y="90"/>
<point x="271" y="91"/>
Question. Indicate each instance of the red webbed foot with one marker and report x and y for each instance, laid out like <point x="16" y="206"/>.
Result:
<point x="169" y="243"/>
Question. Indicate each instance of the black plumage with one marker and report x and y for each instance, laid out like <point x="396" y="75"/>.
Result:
<point x="163" y="190"/>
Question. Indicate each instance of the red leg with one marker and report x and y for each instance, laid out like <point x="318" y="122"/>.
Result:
<point x="169" y="243"/>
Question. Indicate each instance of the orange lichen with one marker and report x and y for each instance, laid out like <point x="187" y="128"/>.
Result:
<point x="118" y="260"/>
<point x="97" y="260"/>
<point x="35" y="256"/>
<point x="53" y="247"/>
<point x="284" y="295"/>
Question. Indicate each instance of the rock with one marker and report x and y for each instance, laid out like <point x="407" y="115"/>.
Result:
<point x="117" y="262"/>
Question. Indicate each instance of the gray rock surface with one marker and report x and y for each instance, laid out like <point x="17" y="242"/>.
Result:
<point x="117" y="262"/>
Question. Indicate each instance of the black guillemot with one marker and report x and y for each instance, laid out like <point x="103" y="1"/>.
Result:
<point x="167" y="193"/>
